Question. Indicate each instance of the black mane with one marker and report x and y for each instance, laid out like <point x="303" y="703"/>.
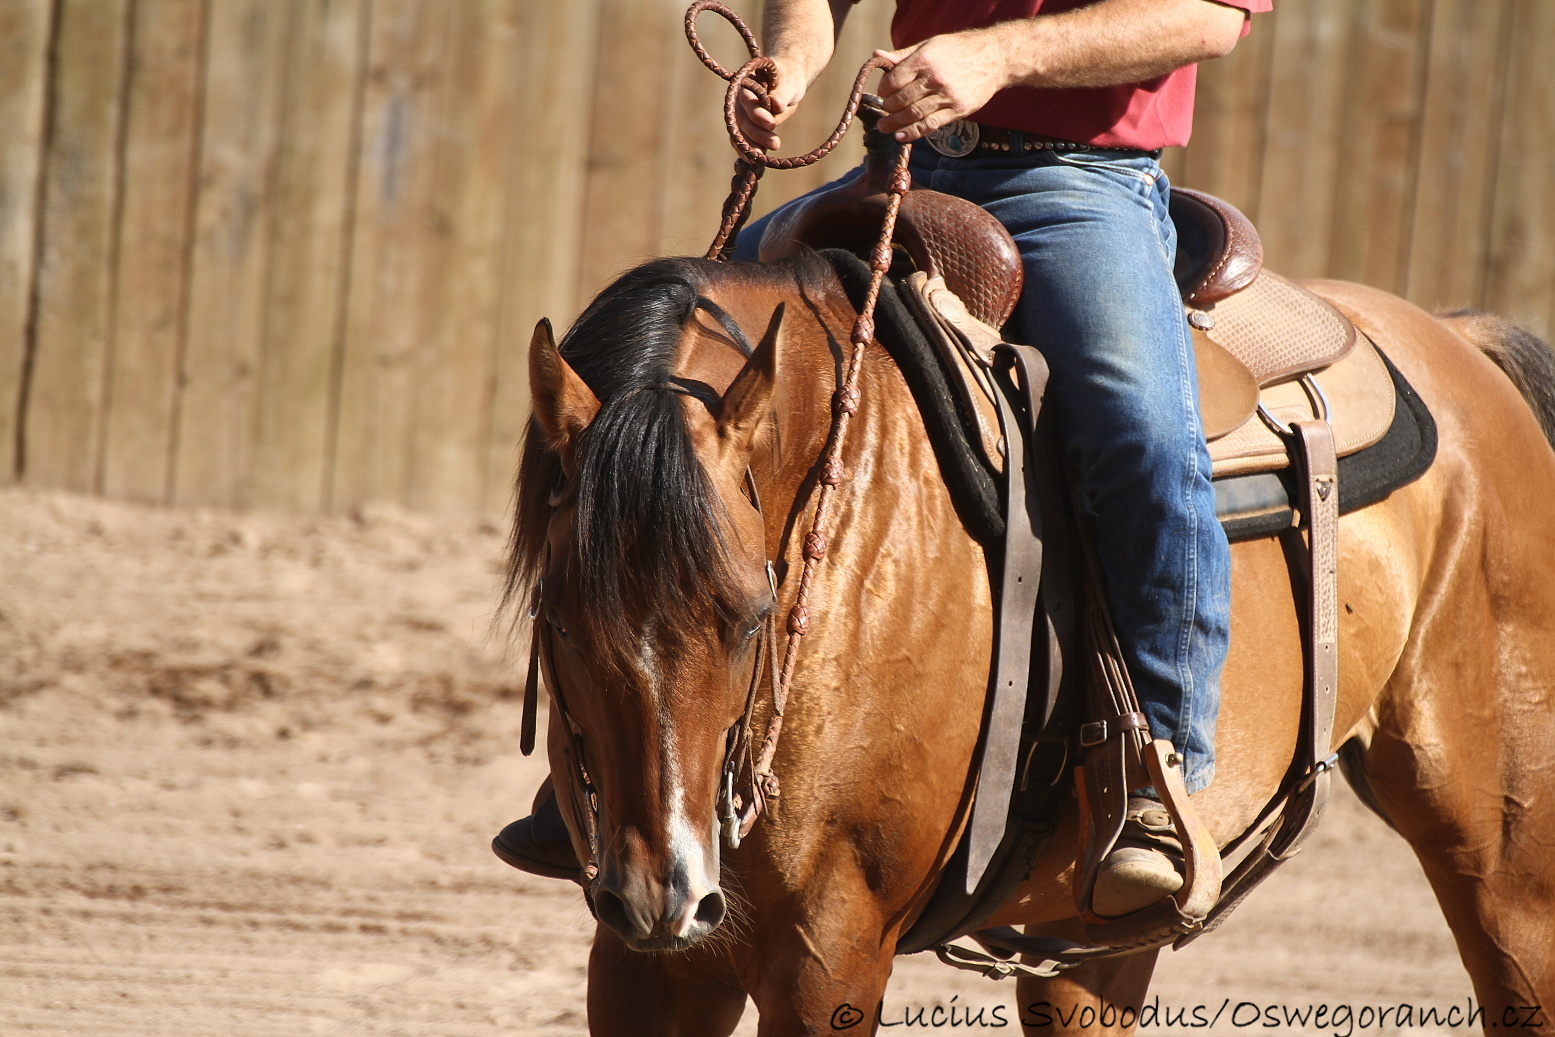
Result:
<point x="647" y="541"/>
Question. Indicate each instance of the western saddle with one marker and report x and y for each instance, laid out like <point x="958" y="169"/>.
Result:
<point x="1261" y="341"/>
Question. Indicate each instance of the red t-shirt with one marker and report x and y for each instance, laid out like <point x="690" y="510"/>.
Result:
<point x="1149" y="115"/>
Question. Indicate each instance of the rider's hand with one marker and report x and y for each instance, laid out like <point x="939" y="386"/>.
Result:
<point x="942" y="79"/>
<point x="759" y="122"/>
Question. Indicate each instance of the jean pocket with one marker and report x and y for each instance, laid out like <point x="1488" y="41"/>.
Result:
<point x="1140" y="169"/>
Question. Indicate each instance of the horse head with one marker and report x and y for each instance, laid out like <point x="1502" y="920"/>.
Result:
<point x="641" y="545"/>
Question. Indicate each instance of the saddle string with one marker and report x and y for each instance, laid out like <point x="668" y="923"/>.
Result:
<point x="759" y="75"/>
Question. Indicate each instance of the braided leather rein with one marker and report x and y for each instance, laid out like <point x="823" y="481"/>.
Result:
<point x="759" y="75"/>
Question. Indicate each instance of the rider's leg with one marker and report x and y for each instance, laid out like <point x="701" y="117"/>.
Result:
<point x="1101" y="303"/>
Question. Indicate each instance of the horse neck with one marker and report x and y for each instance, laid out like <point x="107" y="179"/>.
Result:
<point x="918" y="649"/>
<point x="887" y="447"/>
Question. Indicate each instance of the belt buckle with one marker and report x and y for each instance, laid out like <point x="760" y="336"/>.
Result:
<point x="956" y="139"/>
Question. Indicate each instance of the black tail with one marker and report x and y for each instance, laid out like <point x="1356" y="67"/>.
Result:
<point x="1525" y="357"/>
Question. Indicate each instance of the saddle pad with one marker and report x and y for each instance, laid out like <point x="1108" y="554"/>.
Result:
<point x="1263" y="504"/>
<point x="1360" y="406"/>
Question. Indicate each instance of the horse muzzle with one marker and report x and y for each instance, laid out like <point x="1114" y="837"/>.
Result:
<point x="653" y="914"/>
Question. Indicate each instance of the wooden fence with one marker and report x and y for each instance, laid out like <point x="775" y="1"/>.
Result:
<point x="286" y="254"/>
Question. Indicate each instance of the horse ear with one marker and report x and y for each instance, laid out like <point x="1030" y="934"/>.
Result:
<point x="563" y="404"/>
<point x="748" y="402"/>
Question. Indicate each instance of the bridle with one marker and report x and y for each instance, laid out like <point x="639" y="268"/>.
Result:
<point x="737" y="741"/>
<point x="737" y="750"/>
<point x="739" y="807"/>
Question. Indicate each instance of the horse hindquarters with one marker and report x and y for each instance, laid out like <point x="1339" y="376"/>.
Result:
<point x="1458" y="754"/>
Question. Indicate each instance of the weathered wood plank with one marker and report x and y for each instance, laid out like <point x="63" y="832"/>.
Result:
<point x="1450" y="232"/>
<point x="543" y="216"/>
<point x="25" y="30"/>
<point x="622" y="221"/>
<point x="446" y="442"/>
<point x="1306" y="107"/>
<point x="694" y="148"/>
<point x="1521" y="269"/>
<point x="362" y="208"/>
<point x="74" y="294"/>
<point x="1226" y="155"/>
<point x="1380" y="150"/>
<point x="394" y="251"/>
<point x="304" y="292"/>
<point x="160" y="147"/>
<point x="245" y="79"/>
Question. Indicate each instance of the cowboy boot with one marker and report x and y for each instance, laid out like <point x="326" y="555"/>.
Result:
<point x="539" y="844"/>
<point x="1145" y="865"/>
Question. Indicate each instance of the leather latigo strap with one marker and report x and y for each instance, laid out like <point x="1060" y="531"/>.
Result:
<point x="1320" y="504"/>
<point x="1320" y="501"/>
<point x="1020" y="580"/>
<point x="1300" y="806"/>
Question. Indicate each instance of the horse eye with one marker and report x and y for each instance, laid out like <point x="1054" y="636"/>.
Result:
<point x="750" y="632"/>
<point x="556" y="624"/>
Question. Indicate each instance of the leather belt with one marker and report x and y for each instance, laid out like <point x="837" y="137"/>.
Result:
<point x="964" y="138"/>
<point x="998" y="139"/>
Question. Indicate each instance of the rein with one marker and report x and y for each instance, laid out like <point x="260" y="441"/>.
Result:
<point x="759" y="75"/>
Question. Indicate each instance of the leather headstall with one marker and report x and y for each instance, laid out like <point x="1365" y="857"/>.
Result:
<point x="582" y="796"/>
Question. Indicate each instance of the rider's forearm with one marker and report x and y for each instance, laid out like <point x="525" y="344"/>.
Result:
<point x="801" y="33"/>
<point x="1115" y="41"/>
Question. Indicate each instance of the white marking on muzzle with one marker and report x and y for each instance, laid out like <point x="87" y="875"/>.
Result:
<point x="689" y="852"/>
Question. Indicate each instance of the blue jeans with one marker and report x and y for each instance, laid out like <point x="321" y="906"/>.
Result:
<point x="1101" y="304"/>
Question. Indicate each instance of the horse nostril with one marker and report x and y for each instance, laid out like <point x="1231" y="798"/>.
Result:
<point x="612" y="911"/>
<point x="711" y="910"/>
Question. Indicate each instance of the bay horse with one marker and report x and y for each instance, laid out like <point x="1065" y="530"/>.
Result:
<point x="668" y="459"/>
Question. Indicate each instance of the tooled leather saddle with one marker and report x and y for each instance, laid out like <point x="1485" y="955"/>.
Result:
<point x="1278" y="366"/>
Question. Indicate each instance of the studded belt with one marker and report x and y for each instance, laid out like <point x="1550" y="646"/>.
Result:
<point x="964" y="138"/>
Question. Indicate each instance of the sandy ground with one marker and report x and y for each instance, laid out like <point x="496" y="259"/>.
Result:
<point x="249" y="768"/>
